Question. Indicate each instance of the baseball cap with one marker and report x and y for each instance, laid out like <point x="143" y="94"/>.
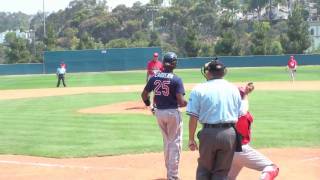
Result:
<point x="155" y="54"/>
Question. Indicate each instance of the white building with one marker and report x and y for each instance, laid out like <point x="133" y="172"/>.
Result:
<point x="24" y="35"/>
<point x="314" y="29"/>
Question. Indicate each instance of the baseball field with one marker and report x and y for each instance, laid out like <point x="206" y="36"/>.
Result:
<point x="98" y="128"/>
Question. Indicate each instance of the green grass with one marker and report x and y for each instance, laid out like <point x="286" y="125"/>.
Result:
<point x="138" y="77"/>
<point x="51" y="126"/>
<point x="286" y="119"/>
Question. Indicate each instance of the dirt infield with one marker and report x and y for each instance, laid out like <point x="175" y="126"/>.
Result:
<point x="295" y="164"/>
<point x="45" y="92"/>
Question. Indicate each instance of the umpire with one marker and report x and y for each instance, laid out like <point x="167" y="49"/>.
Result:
<point x="216" y="105"/>
<point x="61" y="71"/>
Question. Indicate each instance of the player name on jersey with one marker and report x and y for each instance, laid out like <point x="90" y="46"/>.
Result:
<point x="165" y="75"/>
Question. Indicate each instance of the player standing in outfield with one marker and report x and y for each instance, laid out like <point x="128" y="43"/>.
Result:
<point x="61" y="71"/>
<point x="249" y="157"/>
<point x="292" y="67"/>
<point x="169" y="95"/>
<point x="63" y="65"/>
<point x="216" y="105"/>
<point x="154" y="66"/>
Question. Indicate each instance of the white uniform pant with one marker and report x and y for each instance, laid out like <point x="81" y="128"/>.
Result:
<point x="170" y="123"/>
<point x="249" y="158"/>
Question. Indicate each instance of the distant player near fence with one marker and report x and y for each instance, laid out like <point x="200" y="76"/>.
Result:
<point x="292" y="67"/>
<point x="61" y="72"/>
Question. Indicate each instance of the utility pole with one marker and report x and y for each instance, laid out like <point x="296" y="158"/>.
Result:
<point x="44" y="20"/>
<point x="152" y="9"/>
<point x="270" y="9"/>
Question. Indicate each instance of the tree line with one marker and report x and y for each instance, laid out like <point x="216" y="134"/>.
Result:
<point x="188" y="27"/>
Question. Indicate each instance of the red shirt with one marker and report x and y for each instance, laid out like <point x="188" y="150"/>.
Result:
<point x="154" y="67"/>
<point x="292" y="63"/>
<point x="243" y="127"/>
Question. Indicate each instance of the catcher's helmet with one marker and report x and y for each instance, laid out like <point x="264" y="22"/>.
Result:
<point x="170" y="59"/>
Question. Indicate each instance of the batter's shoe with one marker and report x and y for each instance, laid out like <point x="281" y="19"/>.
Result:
<point x="270" y="175"/>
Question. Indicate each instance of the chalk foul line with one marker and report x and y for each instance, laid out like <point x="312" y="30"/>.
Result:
<point x="59" y="165"/>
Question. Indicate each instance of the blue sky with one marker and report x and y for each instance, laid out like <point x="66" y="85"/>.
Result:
<point x="34" y="6"/>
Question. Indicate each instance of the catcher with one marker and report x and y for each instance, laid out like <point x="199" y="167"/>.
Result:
<point x="249" y="157"/>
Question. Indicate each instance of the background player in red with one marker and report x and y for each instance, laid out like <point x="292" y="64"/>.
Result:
<point x="154" y="66"/>
<point x="249" y="157"/>
<point x="292" y="67"/>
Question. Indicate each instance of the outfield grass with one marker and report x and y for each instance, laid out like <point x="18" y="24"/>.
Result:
<point x="51" y="126"/>
<point x="139" y="77"/>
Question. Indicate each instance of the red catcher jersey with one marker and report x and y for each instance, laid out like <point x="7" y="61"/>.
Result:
<point x="154" y="67"/>
<point x="243" y="127"/>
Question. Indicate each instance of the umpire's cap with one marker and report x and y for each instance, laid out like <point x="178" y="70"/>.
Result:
<point x="215" y="67"/>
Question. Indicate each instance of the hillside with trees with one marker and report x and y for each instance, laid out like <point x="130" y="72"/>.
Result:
<point x="189" y="27"/>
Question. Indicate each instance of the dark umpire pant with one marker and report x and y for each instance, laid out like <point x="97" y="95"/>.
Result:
<point x="61" y="77"/>
<point x="216" y="149"/>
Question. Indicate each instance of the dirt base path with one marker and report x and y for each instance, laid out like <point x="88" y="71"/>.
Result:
<point x="295" y="164"/>
<point x="45" y="92"/>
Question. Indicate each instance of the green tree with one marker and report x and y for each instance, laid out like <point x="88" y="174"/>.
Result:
<point x="297" y="39"/>
<point x="206" y="49"/>
<point x="228" y="44"/>
<point x="259" y="37"/>
<point x="2" y="54"/>
<point x="232" y="5"/>
<point x="17" y="49"/>
<point x="50" y="40"/>
<point x="274" y="48"/>
<point x="86" y="42"/>
<point x="14" y="21"/>
<point x="154" y="39"/>
<point x="191" y="47"/>
<point x="118" y="43"/>
<point x="69" y="39"/>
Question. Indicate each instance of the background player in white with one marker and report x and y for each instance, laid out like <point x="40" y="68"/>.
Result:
<point x="169" y="95"/>
<point x="249" y="157"/>
<point x="61" y="71"/>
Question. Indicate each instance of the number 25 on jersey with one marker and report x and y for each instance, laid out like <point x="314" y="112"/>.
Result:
<point x="162" y="88"/>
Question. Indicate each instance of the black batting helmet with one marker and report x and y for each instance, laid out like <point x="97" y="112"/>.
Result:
<point x="169" y="59"/>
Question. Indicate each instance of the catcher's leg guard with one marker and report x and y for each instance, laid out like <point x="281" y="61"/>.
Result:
<point x="269" y="172"/>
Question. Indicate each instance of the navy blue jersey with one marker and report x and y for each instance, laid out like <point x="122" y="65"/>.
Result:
<point x="165" y="87"/>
